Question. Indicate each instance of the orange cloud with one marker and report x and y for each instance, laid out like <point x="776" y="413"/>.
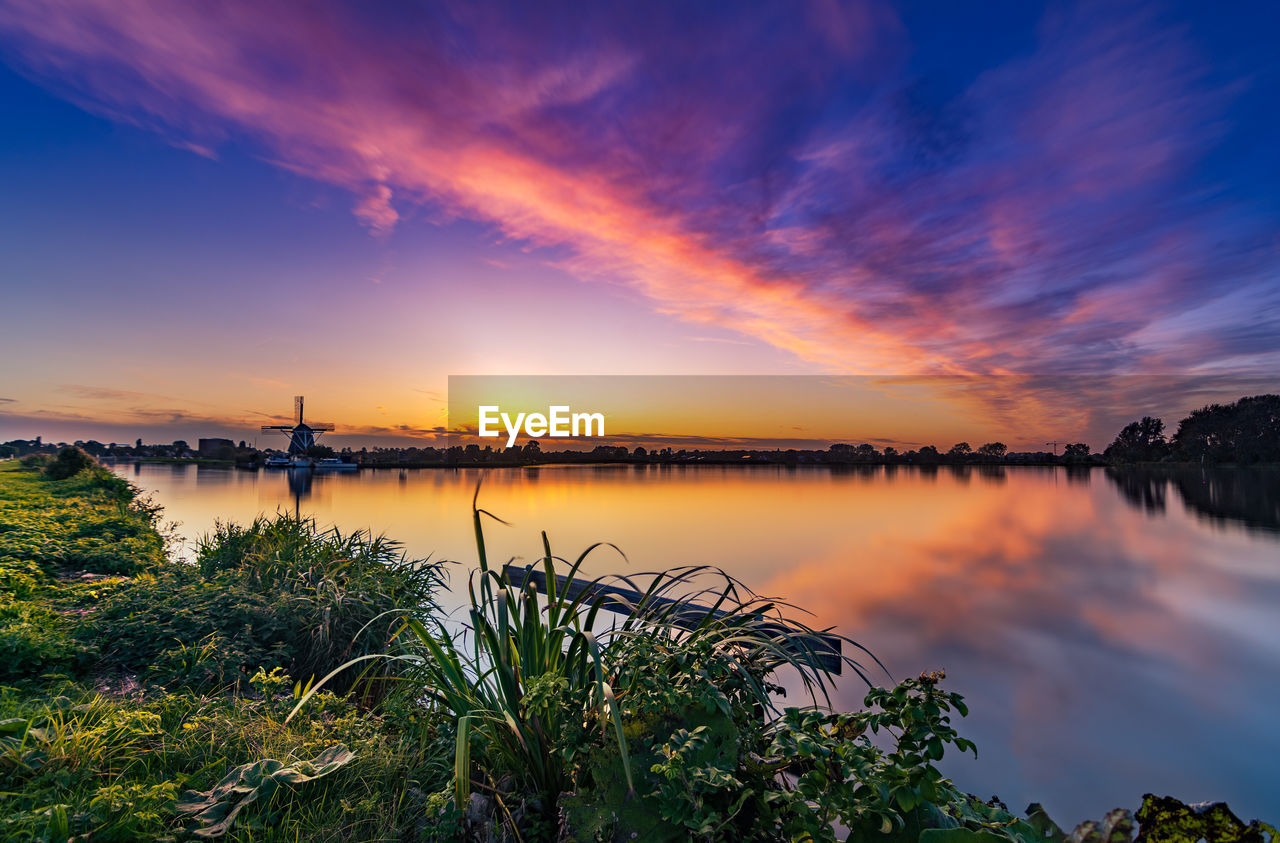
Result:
<point x="882" y="239"/>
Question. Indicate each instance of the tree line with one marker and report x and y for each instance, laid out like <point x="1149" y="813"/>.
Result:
<point x="1243" y="432"/>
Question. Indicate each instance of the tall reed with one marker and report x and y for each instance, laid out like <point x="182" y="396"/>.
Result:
<point x="527" y="669"/>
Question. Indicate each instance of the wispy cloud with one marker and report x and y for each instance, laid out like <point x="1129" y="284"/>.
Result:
<point x="724" y="340"/>
<point x="779" y="175"/>
<point x="109" y="394"/>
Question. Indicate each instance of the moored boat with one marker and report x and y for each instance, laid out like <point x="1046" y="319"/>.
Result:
<point x="334" y="464"/>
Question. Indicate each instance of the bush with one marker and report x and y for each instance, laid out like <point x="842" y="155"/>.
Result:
<point x="97" y="483"/>
<point x="542" y="709"/>
<point x="34" y="640"/>
<point x="175" y="627"/>
<point x="278" y="592"/>
<point x="69" y="462"/>
<point x="340" y="595"/>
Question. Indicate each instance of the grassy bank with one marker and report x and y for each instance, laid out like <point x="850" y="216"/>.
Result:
<point x="294" y="683"/>
<point x="129" y="679"/>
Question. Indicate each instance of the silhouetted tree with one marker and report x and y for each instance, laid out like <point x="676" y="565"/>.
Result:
<point x="1243" y="432"/>
<point x="1140" y="441"/>
<point x="993" y="450"/>
<point x="1075" y="452"/>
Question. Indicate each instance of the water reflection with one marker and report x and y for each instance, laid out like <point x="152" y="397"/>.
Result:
<point x="1113" y="636"/>
<point x="1245" y="496"/>
<point x="1141" y="487"/>
<point x="299" y="480"/>
<point x="1080" y="474"/>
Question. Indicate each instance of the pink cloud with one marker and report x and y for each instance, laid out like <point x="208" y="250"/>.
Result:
<point x="375" y="211"/>
<point x="991" y="233"/>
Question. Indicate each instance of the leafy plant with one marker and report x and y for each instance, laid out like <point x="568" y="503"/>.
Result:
<point x="216" y="809"/>
<point x="529" y="675"/>
<point x="34" y="640"/>
<point x="530" y="688"/>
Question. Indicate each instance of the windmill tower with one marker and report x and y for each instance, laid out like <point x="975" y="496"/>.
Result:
<point x="301" y="435"/>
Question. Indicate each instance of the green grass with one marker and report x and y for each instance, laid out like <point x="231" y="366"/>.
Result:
<point x="148" y="678"/>
<point x="116" y="765"/>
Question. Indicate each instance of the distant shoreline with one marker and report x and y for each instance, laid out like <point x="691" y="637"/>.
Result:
<point x="783" y="463"/>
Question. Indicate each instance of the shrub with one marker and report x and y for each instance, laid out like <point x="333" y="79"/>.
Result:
<point x="278" y="592"/>
<point x="34" y="640"/>
<point x="176" y="626"/>
<point x="68" y="462"/>
<point x="97" y="483"/>
<point x="530" y="690"/>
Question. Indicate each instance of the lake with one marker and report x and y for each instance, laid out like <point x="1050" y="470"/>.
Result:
<point x="1114" y="632"/>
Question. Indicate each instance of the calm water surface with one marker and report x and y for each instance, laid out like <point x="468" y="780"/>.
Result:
<point x="1114" y="633"/>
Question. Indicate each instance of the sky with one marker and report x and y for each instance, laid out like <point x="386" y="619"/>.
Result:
<point x="207" y="208"/>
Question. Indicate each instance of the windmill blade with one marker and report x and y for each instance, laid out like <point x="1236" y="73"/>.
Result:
<point x="321" y="426"/>
<point x="297" y="406"/>
<point x="278" y="427"/>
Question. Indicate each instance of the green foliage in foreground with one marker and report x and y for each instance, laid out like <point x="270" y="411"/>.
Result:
<point x="112" y="769"/>
<point x="530" y="688"/>
<point x="279" y="592"/>
<point x="54" y="533"/>
<point x="216" y="809"/>
<point x="91" y="522"/>
<point x="148" y="705"/>
<point x="183" y="710"/>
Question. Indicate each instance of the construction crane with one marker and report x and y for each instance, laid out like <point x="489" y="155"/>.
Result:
<point x="301" y="435"/>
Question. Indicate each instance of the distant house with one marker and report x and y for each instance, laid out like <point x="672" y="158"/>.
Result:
<point x="216" y="449"/>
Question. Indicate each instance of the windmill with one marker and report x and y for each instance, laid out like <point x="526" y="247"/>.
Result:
<point x="301" y="436"/>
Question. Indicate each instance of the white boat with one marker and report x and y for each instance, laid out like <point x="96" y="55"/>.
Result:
<point x="334" y="464"/>
<point x="288" y="461"/>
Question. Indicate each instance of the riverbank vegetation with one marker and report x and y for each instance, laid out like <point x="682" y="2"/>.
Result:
<point x="297" y="683"/>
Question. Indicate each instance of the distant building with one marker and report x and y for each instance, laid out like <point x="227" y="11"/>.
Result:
<point x="216" y="449"/>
